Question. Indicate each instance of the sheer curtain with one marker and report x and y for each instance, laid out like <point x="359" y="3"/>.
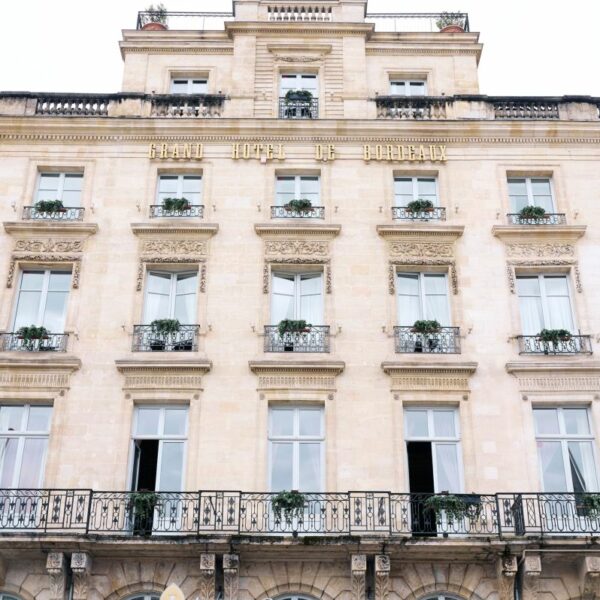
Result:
<point x="447" y="473"/>
<point x="311" y="298"/>
<point x="530" y="303"/>
<point x="436" y="299"/>
<point x="409" y="303"/>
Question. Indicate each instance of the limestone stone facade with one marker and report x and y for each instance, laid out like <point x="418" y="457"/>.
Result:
<point x="460" y="462"/>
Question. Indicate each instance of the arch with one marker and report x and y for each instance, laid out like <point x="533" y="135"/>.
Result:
<point x="6" y="595"/>
<point x="141" y="596"/>
<point x="439" y="591"/>
<point x="300" y="592"/>
<point x="442" y="596"/>
<point x="294" y="596"/>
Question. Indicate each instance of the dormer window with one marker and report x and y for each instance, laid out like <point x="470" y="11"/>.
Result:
<point x="408" y="87"/>
<point x="183" y="85"/>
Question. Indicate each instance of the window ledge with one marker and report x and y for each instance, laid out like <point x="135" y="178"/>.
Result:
<point x="205" y="230"/>
<point x="308" y="229"/>
<point x="50" y="227"/>
<point x="415" y="230"/>
<point x="563" y="232"/>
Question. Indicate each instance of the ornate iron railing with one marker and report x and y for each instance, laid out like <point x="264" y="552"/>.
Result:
<point x="408" y="22"/>
<point x="53" y="342"/>
<point x="188" y="20"/>
<point x="189" y="105"/>
<point x="411" y="107"/>
<point x="575" y="344"/>
<point x="547" y="219"/>
<point x="68" y="213"/>
<point x="437" y="213"/>
<point x="315" y="338"/>
<point x="526" y="108"/>
<point x="298" y="109"/>
<point x="146" y="339"/>
<point x="281" y="212"/>
<point x="445" y="341"/>
<point x="194" y="210"/>
<point x="502" y="515"/>
<point x="78" y="105"/>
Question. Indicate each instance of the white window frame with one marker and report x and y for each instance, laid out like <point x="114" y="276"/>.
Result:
<point x="298" y="78"/>
<point x="21" y="435"/>
<point x="422" y="296"/>
<point x="43" y="295"/>
<point x="543" y="296"/>
<point x="530" y="197"/>
<point x="564" y="438"/>
<point x="297" y="185"/>
<point x="408" y="87"/>
<point x="296" y="440"/>
<point x="415" y="185"/>
<point x="190" y="82"/>
<point x="437" y="441"/>
<point x="297" y="296"/>
<point x="61" y="184"/>
<point x="180" y="178"/>
<point x="172" y="292"/>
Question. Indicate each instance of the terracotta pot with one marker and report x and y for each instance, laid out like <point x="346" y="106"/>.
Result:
<point x="452" y="29"/>
<point x="153" y="26"/>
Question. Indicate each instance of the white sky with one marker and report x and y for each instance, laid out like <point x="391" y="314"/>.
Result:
<point x="531" y="47"/>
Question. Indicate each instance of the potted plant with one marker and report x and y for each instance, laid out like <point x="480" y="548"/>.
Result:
<point x="141" y="507"/>
<point x="450" y="23"/>
<point x="155" y="18"/>
<point x="453" y="507"/>
<point x="291" y="326"/>
<point x="176" y="204"/>
<point x="590" y="503"/>
<point x="298" y="205"/>
<point x="298" y="96"/>
<point x="163" y="328"/>
<point x="50" y="206"/>
<point x="532" y="212"/>
<point x="425" y="328"/>
<point x="418" y="206"/>
<point x="289" y="504"/>
<point x="30" y="334"/>
<point x="554" y="336"/>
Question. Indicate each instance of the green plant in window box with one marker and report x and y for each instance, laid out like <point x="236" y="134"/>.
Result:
<point x="591" y="505"/>
<point x="141" y="505"/>
<point x="450" y="19"/>
<point x="532" y="212"/>
<point x="298" y="205"/>
<point x="426" y="327"/>
<point x="32" y="332"/>
<point x="176" y="204"/>
<point x="165" y="326"/>
<point x="454" y="507"/>
<point x="289" y="504"/>
<point x="156" y="14"/>
<point x="298" y="96"/>
<point x="554" y="335"/>
<point x="420" y="205"/>
<point x="293" y="326"/>
<point x="49" y="206"/>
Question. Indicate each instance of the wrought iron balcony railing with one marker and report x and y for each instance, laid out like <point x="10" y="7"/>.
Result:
<point x="315" y="338"/>
<point x="281" y="212"/>
<point x="146" y="339"/>
<point x="575" y="344"/>
<point x="526" y="108"/>
<point x="547" y="219"/>
<point x="437" y="213"/>
<point x="193" y="514"/>
<point x="413" y="22"/>
<point x="194" y="210"/>
<point x="192" y="105"/>
<point x="411" y="107"/>
<point x="445" y="341"/>
<point x="298" y="109"/>
<point x="53" y="342"/>
<point x="68" y="213"/>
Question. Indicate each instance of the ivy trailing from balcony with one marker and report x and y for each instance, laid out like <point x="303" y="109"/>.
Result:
<point x="426" y="327"/>
<point x="176" y="204"/>
<point x="49" y="206"/>
<point x="298" y="205"/>
<point x="298" y="96"/>
<point x="142" y="504"/>
<point x="591" y="504"/>
<point x="452" y="506"/>
<point x="554" y="335"/>
<point x="420" y="206"/>
<point x="292" y="326"/>
<point x="165" y="327"/>
<point x="291" y="504"/>
<point x="32" y="332"/>
<point x="532" y="212"/>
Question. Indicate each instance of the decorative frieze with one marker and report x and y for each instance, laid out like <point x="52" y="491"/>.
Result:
<point x="359" y="576"/>
<point x="382" y="576"/>
<point x="25" y="373"/>
<point x="556" y="377"/>
<point x="429" y="377"/>
<point x="309" y="376"/>
<point x="155" y="375"/>
<point x="421" y="250"/>
<point x="297" y="248"/>
<point x="231" y="576"/>
<point x="174" y="247"/>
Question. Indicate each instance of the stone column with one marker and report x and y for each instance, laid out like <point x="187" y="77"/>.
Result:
<point x="532" y="569"/>
<point x="589" y="577"/>
<point x="359" y="576"/>
<point x="382" y="576"/>
<point x="506" y="571"/>
<point x="81" y="567"/>
<point x="207" y="577"/>
<point x="56" y="569"/>
<point x="231" y="576"/>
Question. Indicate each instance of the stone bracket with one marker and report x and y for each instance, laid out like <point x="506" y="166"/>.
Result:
<point x="359" y="576"/>
<point x="532" y="569"/>
<point x="81" y="567"/>
<point x="56" y="569"/>
<point x="589" y="577"/>
<point x="382" y="576"/>
<point x="506" y="571"/>
<point x="231" y="576"/>
<point x="207" y="576"/>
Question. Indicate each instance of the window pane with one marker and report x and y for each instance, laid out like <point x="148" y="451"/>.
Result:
<point x="199" y="86"/>
<point x="310" y="467"/>
<point x="310" y="422"/>
<point x="11" y="418"/>
<point x="436" y="308"/>
<point x="435" y="284"/>
<point x="416" y="423"/>
<point x="179" y="86"/>
<point x="32" y="463"/>
<point x="546" y="420"/>
<point x="398" y="87"/>
<point x="576" y="421"/>
<point x="159" y="283"/>
<point x="175" y="421"/>
<point x="48" y="186"/>
<point x="528" y="286"/>
<point x="426" y="188"/>
<point x="28" y="307"/>
<point x="54" y="312"/>
<point x="39" y="418"/>
<point x="282" y="298"/>
<point x="281" y="466"/>
<point x="147" y="421"/>
<point x="559" y="313"/>
<point x="556" y="286"/>
<point x="171" y="466"/>
<point x="541" y="187"/>
<point x="32" y="281"/>
<point x="531" y="315"/>
<point x="192" y="189"/>
<point x="309" y="188"/>
<point x="186" y="283"/>
<point x="443" y="423"/>
<point x="73" y="182"/>
<point x="282" y="422"/>
<point x="284" y="190"/>
<point x="553" y="468"/>
<point x="8" y="458"/>
<point x="581" y="463"/>
<point x="417" y="88"/>
<point x="59" y="282"/>
<point x="448" y="478"/>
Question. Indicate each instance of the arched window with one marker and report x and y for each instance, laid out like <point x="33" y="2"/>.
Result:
<point x="294" y="597"/>
<point x="7" y="597"/>
<point x="138" y="597"/>
<point x="441" y="596"/>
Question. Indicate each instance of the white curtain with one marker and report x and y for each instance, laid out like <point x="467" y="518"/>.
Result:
<point x="309" y="476"/>
<point x="436" y="298"/>
<point x="553" y="468"/>
<point x="409" y="303"/>
<point x="583" y="469"/>
<point x="447" y="476"/>
<point x="311" y="298"/>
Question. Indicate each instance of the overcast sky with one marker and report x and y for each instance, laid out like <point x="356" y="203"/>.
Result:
<point x="531" y="47"/>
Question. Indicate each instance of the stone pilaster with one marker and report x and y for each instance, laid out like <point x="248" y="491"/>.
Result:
<point x="207" y="577"/>
<point x="359" y="576"/>
<point x="589" y="577"/>
<point x="81" y="567"/>
<point x="231" y="576"/>
<point x="506" y="571"/>
<point x="56" y="569"/>
<point x="532" y="569"/>
<point x="2" y="571"/>
<point x="382" y="576"/>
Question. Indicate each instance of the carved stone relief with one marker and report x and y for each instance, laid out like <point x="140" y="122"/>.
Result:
<point x="296" y="248"/>
<point x="55" y="567"/>
<point x="167" y="260"/>
<point x="359" y="574"/>
<point x="297" y="261"/>
<point x="510" y="270"/>
<point x="506" y="572"/>
<point x="49" y="245"/>
<point x="81" y="566"/>
<point x="422" y="250"/>
<point x="547" y="250"/>
<point x="45" y="258"/>
<point x="382" y="576"/>
<point x="207" y="577"/>
<point x="231" y="572"/>
<point x="174" y="247"/>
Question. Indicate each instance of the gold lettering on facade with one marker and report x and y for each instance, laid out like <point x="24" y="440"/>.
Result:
<point x="152" y="151"/>
<point x="262" y="152"/>
<point x="176" y="151"/>
<point x="323" y="152"/>
<point x="187" y="151"/>
<point x="164" y="151"/>
<point x="409" y="153"/>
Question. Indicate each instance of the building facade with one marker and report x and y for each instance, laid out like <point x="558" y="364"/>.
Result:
<point x="300" y="252"/>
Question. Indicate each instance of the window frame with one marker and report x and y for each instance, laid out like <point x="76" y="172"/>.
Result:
<point x="415" y="187"/>
<point x="61" y="185"/>
<point x="408" y="83"/>
<point x="174" y="276"/>
<point x="298" y="77"/>
<point x="297" y="186"/>
<point x="297" y="295"/>
<point x="421" y="275"/>
<point x="528" y="187"/>
<point x="189" y="83"/>
<point x="180" y="179"/>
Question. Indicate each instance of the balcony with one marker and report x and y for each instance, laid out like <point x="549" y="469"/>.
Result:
<point x="49" y="342"/>
<point x="68" y="213"/>
<point x="298" y="109"/>
<point x="315" y="338"/>
<point x="574" y="344"/>
<point x="147" y="339"/>
<point x="159" y="211"/>
<point x="444" y="341"/>
<point x="547" y="219"/>
<point x="190" y="106"/>
<point x="226" y="513"/>
<point x="423" y="108"/>
<point x="526" y="108"/>
<point x="403" y="213"/>
<point x="283" y="212"/>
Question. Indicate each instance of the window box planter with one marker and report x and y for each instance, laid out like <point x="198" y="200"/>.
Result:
<point x="417" y="206"/>
<point x="450" y="23"/>
<point x="289" y="505"/>
<point x="176" y="204"/>
<point x="50" y="206"/>
<point x="298" y="205"/>
<point x="532" y="212"/>
<point x="298" y="96"/>
<point x="554" y="336"/>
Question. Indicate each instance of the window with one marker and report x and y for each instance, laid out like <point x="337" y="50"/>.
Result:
<point x="298" y="187"/>
<point x="60" y="186"/>
<point x="530" y="191"/>
<point x="7" y="597"/>
<point x="545" y="303"/>
<point x="297" y="296"/>
<point x="298" y="82"/>
<point x="566" y="450"/>
<point x="196" y="85"/>
<point x="403" y="87"/>
<point x="180" y="186"/>
<point x="407" y="189"/>
<point x="42" y="299"/>
<point x="23" y="444"/>
<point x="423" y="296"/>
<point x="159" y="439"/>
<point x="296" y="445"/>
<point x="171" y="296"/>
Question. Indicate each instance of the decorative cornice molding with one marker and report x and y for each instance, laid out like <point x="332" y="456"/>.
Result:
<point x="538" y="233"/>
<point x="582" y="376"/>
<point x="420" y="51"/>
<point x="313" y="367"/>
<point x="421" y="231"/>
<point x="20" y="373"/>
<point x="312" y="376"/>
<point x="297" y="229"/>
<point x="73" y="229"/>
<point x="432" y="376"/>
<point x="163" y="374"/>
<point x="315" y="29"/>
<point x="165" y="49"/>
<point x="200" y="230"/>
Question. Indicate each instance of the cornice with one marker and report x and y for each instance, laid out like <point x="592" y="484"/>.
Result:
<point x="312" y="29"/>
<point x="65" y="362"/>
<point x="47" y="376"/>
<point x="423" y="51"/>
<point x="302" y="367"/>
<point x="49" y="227"/>
<point x="446" y="379"/>
<point x="416" y="231"/>
<point x="538" y="233"/>
<point x="538" y="367"/>
<point x="201" y="230"/>
<point x="431" y="367"/>
<point x="301" y="229"/>
<point x="152" y="365"/>
<point x="289" y="48"/>
<point x="167" y="49"/>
